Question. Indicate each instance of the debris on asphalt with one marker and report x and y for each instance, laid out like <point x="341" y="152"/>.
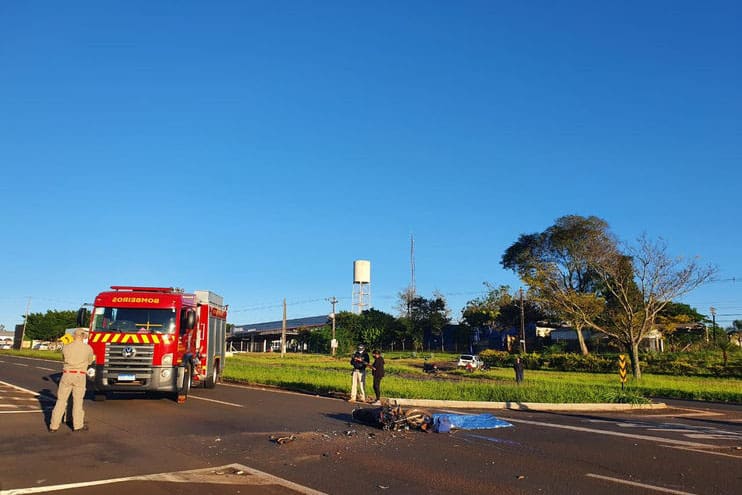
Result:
<point x="282" y="440"/>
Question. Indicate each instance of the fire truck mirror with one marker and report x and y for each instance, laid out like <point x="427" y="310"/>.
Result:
<point x="188" y="320"/>
<point x="83" y="317"/>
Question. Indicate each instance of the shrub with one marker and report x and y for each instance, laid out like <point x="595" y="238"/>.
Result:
<point x="499" y="359"/>
<point x="578" y="362"/>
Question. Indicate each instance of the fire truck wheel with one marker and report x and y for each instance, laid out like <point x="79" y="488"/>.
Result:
<point x="210" y="381"/>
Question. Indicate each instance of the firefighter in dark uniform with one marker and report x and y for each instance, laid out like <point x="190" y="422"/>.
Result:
<point x="77" y="357"/>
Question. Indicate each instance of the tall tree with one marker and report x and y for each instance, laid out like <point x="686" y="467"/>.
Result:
<point x="556" y="265"/>
<point x="483" y="311"/>
<point x="351" y="323"/>
<point x="678" y="324"/>
<point x="429" y="315"/>
<point x="372" y="327"/>
<point x="638" y="286"/>
<point x="510" y="313"/>
<point x="404" y="302"/>
<point x="50" y="325"/>
<point x="577" y="269"/>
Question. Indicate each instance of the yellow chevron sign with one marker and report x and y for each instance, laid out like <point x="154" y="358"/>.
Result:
<point x="622" y="367"/>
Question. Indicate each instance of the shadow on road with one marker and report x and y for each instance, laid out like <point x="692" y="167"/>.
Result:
<point x="346" y="417"/>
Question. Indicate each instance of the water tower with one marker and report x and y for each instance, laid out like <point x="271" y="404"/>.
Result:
<point x="361" y="285"/>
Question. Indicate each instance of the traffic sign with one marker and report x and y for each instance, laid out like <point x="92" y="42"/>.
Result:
<point x="622" y="368"/>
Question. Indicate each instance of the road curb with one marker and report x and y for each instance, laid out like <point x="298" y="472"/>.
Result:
<point x="523" y="406"/>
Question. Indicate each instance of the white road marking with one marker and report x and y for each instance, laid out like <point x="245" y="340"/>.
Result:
<point x="702" y="451"/>
<point x="711" y="436"/>
<point x="700" y="433"/>
<point x="18" y="388"/>
<point x="676" y="430"/>
<point x="649" y="438"/>
<point x="276" y="390"/>
<point x="35" y="397"/>
<point x="214" y="475"/>
<point x="641" y="485"/>
<point x="35" y="359"/>
<point x="35" y="394"/>
<point x="696" y="413"/>
<point x="214" y="400"/>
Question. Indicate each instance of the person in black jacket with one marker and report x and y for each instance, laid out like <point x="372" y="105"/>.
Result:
<point x="359" y="361"/>
<point x="518" y="367"/>
<point x="377" y="369"/>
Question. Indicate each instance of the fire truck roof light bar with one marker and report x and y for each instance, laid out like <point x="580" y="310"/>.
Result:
<point x="165" y="290"/>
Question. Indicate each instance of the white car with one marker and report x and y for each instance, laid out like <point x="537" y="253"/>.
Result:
<point x="469" y="361"/>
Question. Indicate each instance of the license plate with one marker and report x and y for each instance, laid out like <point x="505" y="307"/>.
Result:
<point x="127" y="378"/>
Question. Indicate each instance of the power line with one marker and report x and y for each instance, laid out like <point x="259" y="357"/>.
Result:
<point x="721" y="280"/>
<point x="279" y="305"/>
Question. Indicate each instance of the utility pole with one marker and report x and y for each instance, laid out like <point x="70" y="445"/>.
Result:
<point x="522" y="324"/>
<point x="283" y="330"/>
<point x="713" y="319"/>
<point x="25" y="322"/>
<point x="333" y="343"/>
<point x="412" y="289"/>
<point x="412" y="264"/>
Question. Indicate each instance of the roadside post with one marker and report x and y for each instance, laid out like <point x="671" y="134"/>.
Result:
<point x="622" y="369"/>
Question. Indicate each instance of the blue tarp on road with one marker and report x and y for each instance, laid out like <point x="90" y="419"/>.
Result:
<point x="446" y="422"/>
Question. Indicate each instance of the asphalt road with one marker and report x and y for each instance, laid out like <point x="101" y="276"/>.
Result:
<point x="220" y="442"/>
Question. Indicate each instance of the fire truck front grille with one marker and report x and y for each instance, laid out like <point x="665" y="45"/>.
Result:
<point x="129" y="359"/>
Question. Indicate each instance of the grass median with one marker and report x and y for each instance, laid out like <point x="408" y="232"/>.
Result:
<point x="325" y="375"/>
<point x="405" y="379"/>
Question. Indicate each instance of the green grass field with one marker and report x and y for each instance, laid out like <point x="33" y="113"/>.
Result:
<point x="321" y="374"/>
<point x="405" y="379"/>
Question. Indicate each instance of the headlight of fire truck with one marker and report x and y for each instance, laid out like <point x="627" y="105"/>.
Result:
<point x="91" y="372"/>
<point x="167" y="359"/>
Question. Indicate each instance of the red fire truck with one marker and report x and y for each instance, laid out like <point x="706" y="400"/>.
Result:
<point x="155" y="339"/>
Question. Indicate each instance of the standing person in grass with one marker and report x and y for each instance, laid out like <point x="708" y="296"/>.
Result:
<point x="359" y="361"/>
<point x="518" y="367"/>
<point x="377" y="370"/>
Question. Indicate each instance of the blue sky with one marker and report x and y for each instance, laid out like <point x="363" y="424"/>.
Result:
<point x="257" y="148"/>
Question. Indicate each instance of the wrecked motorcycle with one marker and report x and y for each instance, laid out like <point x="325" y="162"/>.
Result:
<point x="394" y="418"/>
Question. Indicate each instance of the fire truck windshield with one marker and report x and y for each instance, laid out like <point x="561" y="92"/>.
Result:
<point x="139" y="320"/>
